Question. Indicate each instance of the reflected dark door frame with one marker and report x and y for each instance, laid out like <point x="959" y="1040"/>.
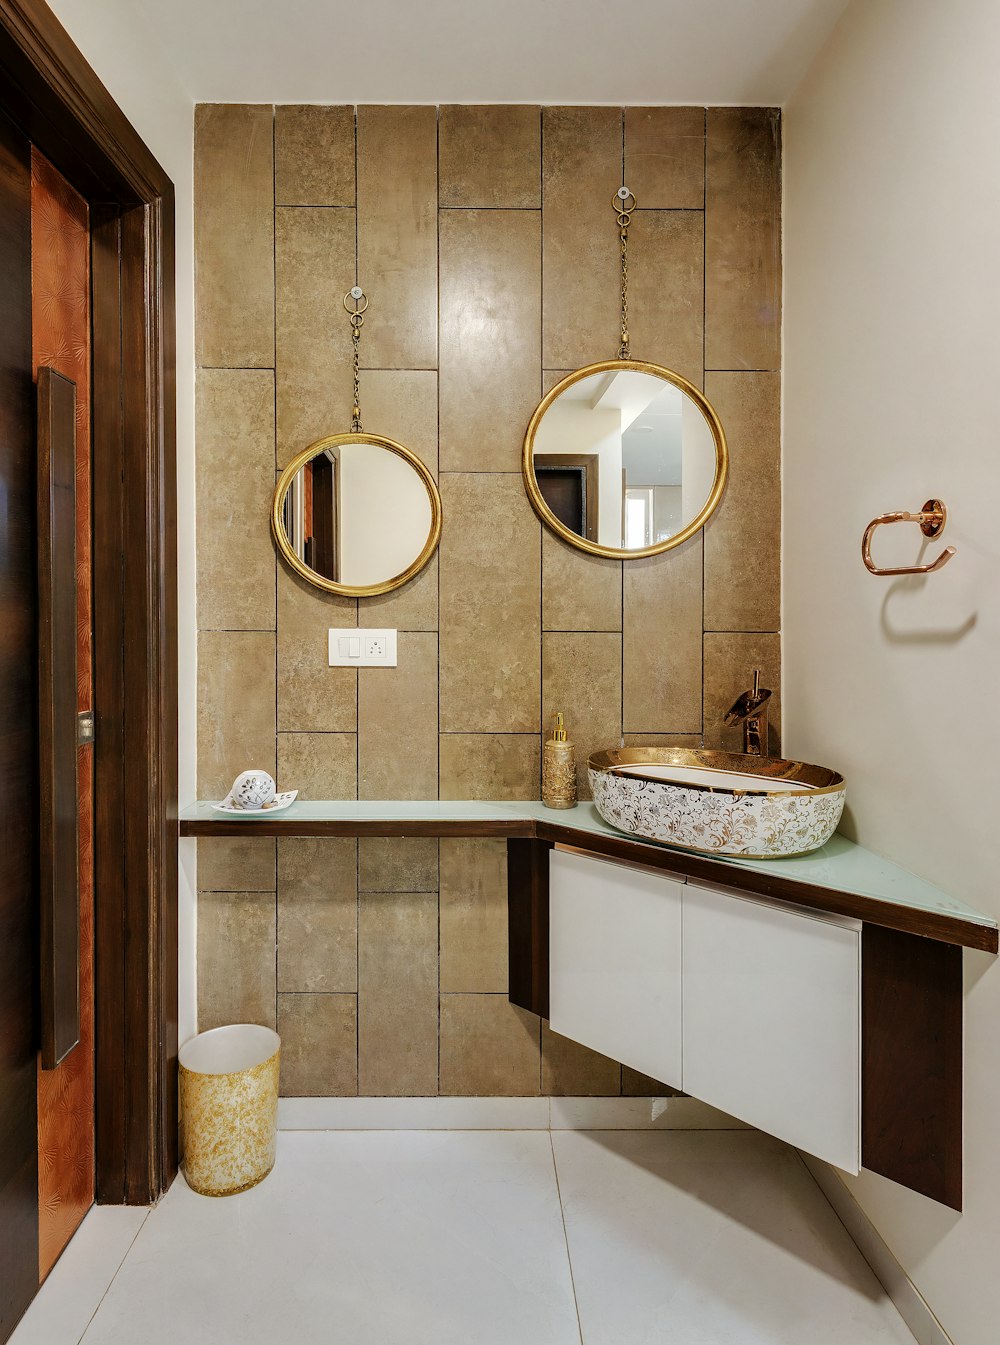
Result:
<point x="569" y="484"/>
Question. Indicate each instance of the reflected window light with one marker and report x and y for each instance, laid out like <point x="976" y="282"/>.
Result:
<point x="638" y="511"/>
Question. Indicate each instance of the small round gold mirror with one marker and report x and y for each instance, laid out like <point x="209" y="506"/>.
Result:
<point x="356" y="514"/>
<point x="625" y="459"/>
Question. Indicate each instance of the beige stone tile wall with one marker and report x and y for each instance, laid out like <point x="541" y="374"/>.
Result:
<point x="486" y="241"/>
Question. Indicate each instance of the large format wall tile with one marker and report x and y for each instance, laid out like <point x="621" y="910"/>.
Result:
<point x="318" y="914"/>
<point x="319" y="765"/>
<point x="397" y="235"/>
<point x="235" y="707"/>
<point x="581" y="171"/>
<point x="412" y="607"/>
<point x="398" y="723"/>
<point x="236" y="976"/>
<point x="730" y="660"/>
<point x="743" y="538"/>
<point x="489" y="765"/>
<point x="582" y="677"/>
<point x="743" y="239"/>
<point x="237" y="864"/>
<point x="397" y="993"/>
<point x="313" y="155"/>
<point x="667" y="289"/>
<point x="312" y="695"/>
<point x="665" y="157"/>
<point x="489" y="1047"/>
<point x="235" y="484"/>
<point x="319" y="1045"/>
<point x="635" y="1084"/>
<point x="490" y="356"/>
<point x="579" y="591"/>
<point x="314" y="267"/>
<point x="572" y="1070"/>
<point x="490" y="156"/>
<point x="234" y="235"/>
<point x="661" y="633"/>
<point x="402" y="404"/>
<point x="474" y="915"/>
<point x="649" y="652"/>
<point x="397" y="864"/>
<point x="490" y="621"/>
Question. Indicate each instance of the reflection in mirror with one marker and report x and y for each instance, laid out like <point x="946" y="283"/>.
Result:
<point x="358" y="514"/>
<point x="625" y="458"/>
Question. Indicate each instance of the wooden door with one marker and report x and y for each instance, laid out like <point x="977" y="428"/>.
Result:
<point x="60" y="340"/>
<point x="18" y="745"/>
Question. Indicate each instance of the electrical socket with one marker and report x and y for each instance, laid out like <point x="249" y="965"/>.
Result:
<point x="358" y="648"/>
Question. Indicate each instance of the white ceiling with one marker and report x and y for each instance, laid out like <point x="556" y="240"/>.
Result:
<point x="505" y="51"/>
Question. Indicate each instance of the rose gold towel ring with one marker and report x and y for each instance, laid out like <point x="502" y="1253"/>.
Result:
<point x="931" y="518"/>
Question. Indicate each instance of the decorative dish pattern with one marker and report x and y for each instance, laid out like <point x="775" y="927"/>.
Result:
<point x="769" y="824"/>
<point x="278" y="804"/>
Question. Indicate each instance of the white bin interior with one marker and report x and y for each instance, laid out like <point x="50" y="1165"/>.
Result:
<point x="226" y="1050"/>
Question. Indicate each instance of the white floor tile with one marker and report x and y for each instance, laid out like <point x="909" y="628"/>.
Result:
<point x="70" y="1296"/>
<point x="411" y="1237"/>
<point x="710" y="1238"/>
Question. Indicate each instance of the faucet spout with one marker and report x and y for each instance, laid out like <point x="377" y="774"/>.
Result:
<point x="750" y="710"/>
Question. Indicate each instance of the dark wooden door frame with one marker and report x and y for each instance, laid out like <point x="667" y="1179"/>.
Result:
<point x="47" y="87"/>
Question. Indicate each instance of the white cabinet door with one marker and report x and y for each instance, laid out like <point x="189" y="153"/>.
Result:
<point x="772" y="1019"/>
<point x="615" y="961"/>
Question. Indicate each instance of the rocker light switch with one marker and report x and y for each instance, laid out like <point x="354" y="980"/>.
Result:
<point x="354" y="648"/>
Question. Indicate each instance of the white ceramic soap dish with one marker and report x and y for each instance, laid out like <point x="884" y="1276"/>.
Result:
<point x="278" y="804"/>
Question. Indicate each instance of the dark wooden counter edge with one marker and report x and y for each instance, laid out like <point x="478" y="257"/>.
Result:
<point x="909" y="920"/>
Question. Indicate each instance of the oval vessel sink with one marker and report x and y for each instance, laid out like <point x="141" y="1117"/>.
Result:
<point x="720" y="803"/>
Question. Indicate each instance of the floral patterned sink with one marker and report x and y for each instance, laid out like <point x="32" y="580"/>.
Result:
<point x="720" y="803"/>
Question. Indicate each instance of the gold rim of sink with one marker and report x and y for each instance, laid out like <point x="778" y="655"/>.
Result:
<point x="819" y="779"/>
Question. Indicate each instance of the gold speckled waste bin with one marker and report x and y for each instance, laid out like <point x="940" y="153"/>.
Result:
<point x="229" y="1108"/>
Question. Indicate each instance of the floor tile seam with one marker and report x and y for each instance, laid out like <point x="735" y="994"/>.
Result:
<point x="90" y="1322"/>
<point x="569" y="1257"/>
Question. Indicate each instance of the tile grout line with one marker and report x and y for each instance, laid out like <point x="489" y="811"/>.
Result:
<point x="128" y="1249"/>
<point x="562" y="1215"/>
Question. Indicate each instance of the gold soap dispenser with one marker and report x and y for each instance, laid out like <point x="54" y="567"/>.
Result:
<point x="559" y="769"/>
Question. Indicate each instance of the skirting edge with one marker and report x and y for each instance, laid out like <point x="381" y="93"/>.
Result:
<point x="907" y="1298"/>
<point x="500" y="1113"/>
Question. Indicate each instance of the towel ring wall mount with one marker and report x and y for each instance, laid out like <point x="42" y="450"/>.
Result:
<point x="931" y="518"/>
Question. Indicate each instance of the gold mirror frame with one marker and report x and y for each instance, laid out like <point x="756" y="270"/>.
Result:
<point x="619" y="553"/>
<point x="331" y="585"/>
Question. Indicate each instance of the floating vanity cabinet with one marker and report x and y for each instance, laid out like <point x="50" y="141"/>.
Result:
<point x="615" y="961"/>
<point x="772" y="1019"/>
<point x="767" y="1000"/>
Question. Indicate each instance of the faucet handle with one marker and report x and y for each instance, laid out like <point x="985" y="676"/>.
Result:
<point x="749" y="702"/>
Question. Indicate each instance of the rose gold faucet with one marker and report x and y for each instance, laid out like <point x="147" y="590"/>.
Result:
<point x="750" y="710"/>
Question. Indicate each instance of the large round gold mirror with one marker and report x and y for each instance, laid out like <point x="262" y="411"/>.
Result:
<point x="625" y="458"/>
<point x="356" y="514"/>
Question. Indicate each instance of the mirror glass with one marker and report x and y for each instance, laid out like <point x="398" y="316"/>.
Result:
<point x="357" y="514"/>
<point x="625" y="459"/>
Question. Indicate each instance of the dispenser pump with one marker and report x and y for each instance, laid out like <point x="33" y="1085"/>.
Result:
<point x="559" y="732"/>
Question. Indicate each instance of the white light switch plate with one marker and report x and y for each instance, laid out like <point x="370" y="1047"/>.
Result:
<point x="355" y="647"/>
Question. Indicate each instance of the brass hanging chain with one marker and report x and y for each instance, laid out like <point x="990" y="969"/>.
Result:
<point x="356" y="302"/>
<point x="623" y="210"/>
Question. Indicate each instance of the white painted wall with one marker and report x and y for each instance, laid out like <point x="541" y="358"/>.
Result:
<point x="892" y="278"/>
<point x="129" y="59"/>
<point x="385" y="514"/>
